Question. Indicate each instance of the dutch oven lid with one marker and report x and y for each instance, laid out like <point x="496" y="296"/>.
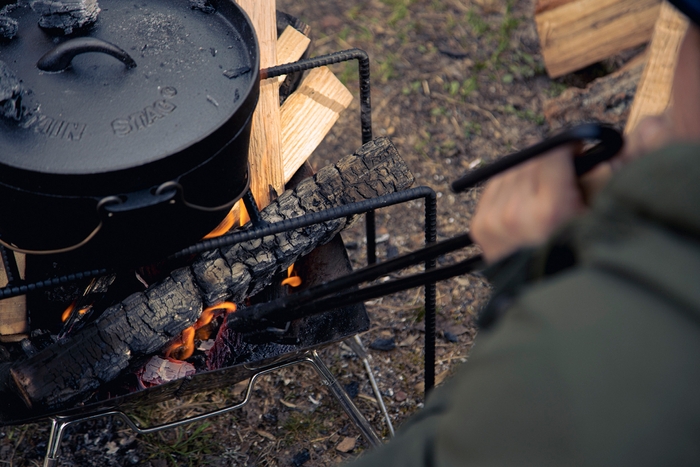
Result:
<point x="148" y="91"/>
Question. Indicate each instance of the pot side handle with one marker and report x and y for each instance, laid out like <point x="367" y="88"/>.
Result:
<point x="60" y="57"/>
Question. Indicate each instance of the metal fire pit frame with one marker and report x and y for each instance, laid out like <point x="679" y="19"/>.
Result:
<point x="260" y="229"/>
<point x="311" y="357"/>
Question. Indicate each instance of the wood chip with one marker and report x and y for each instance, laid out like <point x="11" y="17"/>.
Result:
<point x="288" y="404"/>
<point x="267" y="435"/>
<point x="409" y="341"/>
<point x="347" y="444"/>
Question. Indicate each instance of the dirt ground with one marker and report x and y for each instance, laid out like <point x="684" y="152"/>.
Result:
<point x="455" y="84"/>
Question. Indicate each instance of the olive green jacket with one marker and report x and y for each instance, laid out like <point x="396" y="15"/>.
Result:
<point x="596" y="360"/>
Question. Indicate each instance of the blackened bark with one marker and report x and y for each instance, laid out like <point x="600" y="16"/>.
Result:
<point x="145" y="322"/>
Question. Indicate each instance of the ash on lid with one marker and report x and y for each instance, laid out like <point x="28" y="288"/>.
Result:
<point x="66" y="14"/>
<point x="202" y="5"/>
<point x="8" y="27"/>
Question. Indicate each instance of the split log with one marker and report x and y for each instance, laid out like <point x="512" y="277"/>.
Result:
<point x="70" y="370"/>
<point x="577" y="33"/>
<point x="264" y="157"/>
<point x="291" y="46"/>
<point x="607" y="100"/>
<point x="308" y="115"/>
<point x="13" y="311"/>
<point x="654" y="90"/>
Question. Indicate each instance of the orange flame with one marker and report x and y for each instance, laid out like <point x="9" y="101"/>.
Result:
<point x="182" y="348"/>
<point x="67" y="312"/>
<point x="293" y="279"/>
<point x="224" y="226"/>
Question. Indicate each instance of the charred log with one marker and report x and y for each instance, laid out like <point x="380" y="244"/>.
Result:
<point x="70" y="370"/>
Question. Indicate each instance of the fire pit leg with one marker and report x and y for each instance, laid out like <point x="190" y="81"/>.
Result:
<point x="351" y="409"/>
<point x="356" y="345"/>
<point x="58" y="425"/>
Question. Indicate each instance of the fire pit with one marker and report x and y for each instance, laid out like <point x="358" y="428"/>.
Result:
<point x="43" y="390"/>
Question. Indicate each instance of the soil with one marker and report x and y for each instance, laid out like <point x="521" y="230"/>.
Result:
<point x="455" y="84"/>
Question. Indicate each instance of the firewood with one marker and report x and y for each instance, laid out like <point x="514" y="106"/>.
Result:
<point x="13" y="311"/>
<point x="545" y="5"/>
<point x="654" y="90"/>
<point x="143" y="323"/>
<point x="291" y="46"/>
<point x="607" y="99"/>
<point x="578" y="33"/>
<point x="309" y="114"/>
<point x="306" y="116"/>
<point x="264" y="156"/>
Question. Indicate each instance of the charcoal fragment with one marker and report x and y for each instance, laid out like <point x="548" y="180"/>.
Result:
<point x="236" y="72"/>
<point x="301" y="458"/>
<point x="66" y="15"/>
<point x="352" y="389"/>
<point x="383" y="344"/>
<point x="8" y="27"/>
<point x="450" y="337"/>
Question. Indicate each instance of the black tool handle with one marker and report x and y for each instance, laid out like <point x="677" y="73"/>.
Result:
<point x="610" y="144"/>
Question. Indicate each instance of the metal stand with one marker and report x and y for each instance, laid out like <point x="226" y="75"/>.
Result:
<point x="311" y="357"/>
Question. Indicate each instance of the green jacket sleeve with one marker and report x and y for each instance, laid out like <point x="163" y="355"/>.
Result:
<point x="598" y="364"/>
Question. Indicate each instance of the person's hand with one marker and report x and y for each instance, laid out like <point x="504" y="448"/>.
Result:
<point x="523" y="206"/>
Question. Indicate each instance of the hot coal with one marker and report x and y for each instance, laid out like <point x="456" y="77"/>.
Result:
<point x="11" y="95"/>
<point x="202" y="5"/>
<point x="8" y="27"/>
<point x="66" y="15"/>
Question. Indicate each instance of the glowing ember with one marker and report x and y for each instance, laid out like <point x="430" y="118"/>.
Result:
<point x="293" y="279"/>
<point x="158" y="371"/>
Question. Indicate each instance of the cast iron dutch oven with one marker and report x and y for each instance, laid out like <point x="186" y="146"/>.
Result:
<point x="130" y="138"/>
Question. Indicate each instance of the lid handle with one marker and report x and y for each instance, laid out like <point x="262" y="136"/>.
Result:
<point x="61" y="56"/>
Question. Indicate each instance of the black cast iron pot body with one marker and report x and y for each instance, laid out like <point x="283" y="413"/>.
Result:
<point x="126" y="154"/>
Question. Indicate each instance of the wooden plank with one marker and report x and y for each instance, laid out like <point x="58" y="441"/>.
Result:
<point x="545" y="5"/>
<point x="309" y="114"/>
<point x="654" y="90"/>
<point x="264" y="157"/>
<point x="582" y="32"/>
<point x="13" y="311"/>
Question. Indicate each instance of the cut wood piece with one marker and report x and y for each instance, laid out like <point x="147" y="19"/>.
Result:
<point x="606" y="100"/>
<point x="578" y="33"/>
<point x="291" y="46"/>
<point x="264" y="157"/>
<point x="13" y="311"/>
<point x="309" y="114"/>
<point x="654" y="90"/>
<point x="145" y="322"/>
<point x="545" y="5"/>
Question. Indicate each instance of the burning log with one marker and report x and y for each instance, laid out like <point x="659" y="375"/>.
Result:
<point x="144" y="323"/>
